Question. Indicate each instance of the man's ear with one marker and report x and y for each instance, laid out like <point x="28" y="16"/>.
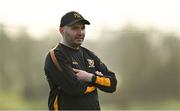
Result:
<point x="61" y="30"/>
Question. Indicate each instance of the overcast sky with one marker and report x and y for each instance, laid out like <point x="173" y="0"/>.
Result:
<point x="40" y="15"/>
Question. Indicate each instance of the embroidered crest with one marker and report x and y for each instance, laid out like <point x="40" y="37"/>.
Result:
<point x="91" y="62"/>
<point x="74" y="61"/>
<point x="76" y="15"/>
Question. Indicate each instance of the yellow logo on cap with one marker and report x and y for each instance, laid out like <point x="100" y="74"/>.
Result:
<point x="76" y="15"/>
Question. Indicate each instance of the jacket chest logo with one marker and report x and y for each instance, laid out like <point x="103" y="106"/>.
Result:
<point x="75" y="63"/>
<point x="90" y="62"/>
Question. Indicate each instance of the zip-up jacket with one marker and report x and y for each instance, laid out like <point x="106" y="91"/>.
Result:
<point x="66" y="90"/>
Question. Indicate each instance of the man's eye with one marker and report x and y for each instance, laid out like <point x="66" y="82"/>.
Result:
<point x="83" y="27"/>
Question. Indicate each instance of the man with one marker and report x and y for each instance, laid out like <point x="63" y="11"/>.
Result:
<point x="73" y="72"/>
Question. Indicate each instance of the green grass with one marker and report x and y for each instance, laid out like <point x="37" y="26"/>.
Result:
<point x="144" y="105"/>
<point x="13" y="100"/>
<point x="156" y="105"/>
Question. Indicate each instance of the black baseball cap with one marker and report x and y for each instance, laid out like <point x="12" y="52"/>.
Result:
<point x="71" y="18"/>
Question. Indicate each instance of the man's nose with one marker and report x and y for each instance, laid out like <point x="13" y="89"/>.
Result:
<point x="80" y="31"/>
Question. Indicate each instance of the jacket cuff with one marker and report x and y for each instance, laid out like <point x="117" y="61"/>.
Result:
<point x="93" y="79"/>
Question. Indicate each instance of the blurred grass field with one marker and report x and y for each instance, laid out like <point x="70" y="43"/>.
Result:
<point x="14" y="101"/>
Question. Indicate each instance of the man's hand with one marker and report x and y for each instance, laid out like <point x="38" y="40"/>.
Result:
<point x="83" y="75"/>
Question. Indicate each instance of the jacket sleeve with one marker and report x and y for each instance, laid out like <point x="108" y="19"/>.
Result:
<point x="108" y="81"/>
<point x="65" y="79"/>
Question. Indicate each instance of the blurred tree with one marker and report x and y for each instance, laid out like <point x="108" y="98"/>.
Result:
<point x="146" y="63"/>
<point x="171" y="74"/>
<point x="5" y="57"/>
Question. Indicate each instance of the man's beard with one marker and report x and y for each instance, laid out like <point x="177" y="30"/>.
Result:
<point x="77" y="44"/>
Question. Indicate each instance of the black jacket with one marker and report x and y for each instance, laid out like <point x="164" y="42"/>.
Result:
<point x="66" y="91"/>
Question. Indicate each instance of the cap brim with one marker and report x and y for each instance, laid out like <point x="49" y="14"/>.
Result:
<point x="84" y="21"/>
